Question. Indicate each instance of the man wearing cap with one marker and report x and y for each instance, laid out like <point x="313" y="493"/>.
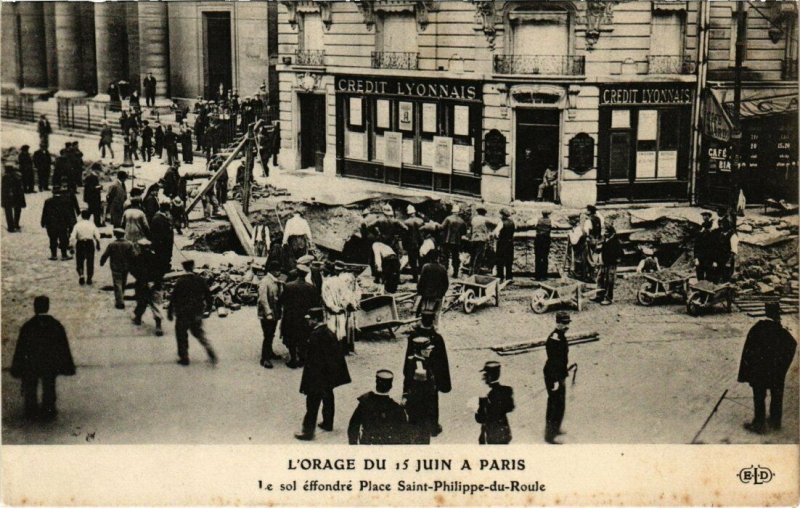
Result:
<point x="649" y="262"/>
<point x="704" y="255"/>
<point x="145" y="270"/>
<point x="420" y="392"/>
<point x="611" y="254"/>
<point x="541" y="245"/>
<point x="116" y="197"/>
<point x="481" y="228"/>
<point x="121" y="253"/>
<point x="297" y="298"/>
<point x="61" y="168"/>
<point x="92" y="193"/>
<point x="25" y="164"/>
<point x="555" y="372"/>
<point x="437" y="361"/>
<point x="269" y="311"/>
<point x="85" y="238"/>
<point x="162" y="236"/>
<point x="453" y="230"/>
<point x="189" y="299"/>
<point x="106" y="140"/>
<point x="767" y="354"/>
<point x="325" y="369"/>
<point x="43" y="163"/>
<point x="389" y="229"/>
<point x="494" y="407"/>
<point x="504" y="232"/>
<point x="42" y="353"/>
<point x="413" y="240"/>
<point x="378" y="420"/>
<point x="432" y="287"/>
<point x="56" y="220"/>
<point x="13" y="197"/>
<point x="134" y="221"/>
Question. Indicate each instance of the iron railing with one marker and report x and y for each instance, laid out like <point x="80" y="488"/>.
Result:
<point x="789" y="69"/>
<point x="17" y="107"/>
<point x="395" y="60"/>
<point x="309" y="57"/>
<point x="670" y="64"/>
<point x="561" y="65"/>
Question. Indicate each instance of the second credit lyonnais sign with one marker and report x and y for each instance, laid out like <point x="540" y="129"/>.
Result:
<point x="440" y="89"/>
<point x="645" y="95"/>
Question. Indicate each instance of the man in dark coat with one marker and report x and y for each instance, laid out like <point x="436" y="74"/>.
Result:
<point x="704" y="247"/>
<point x="378" y="420"/>
<point x="159" y="140"/>
<point x="116" y="197"/>
<point x="494" y="408"/>
<point x="162" y="237"/>
<point x="92" y="194"/>
<point x="420" y="392"/>
<point x="106" y="140"/>
<point x="145" y="270"/>
<point x="44" y="130"/>
<point x="43" y="164"/>
<point x="171" y="145"/>
<point x="298" y="297"/>
<point x="56" y="220"/>
<point x="432" y="286"/>
<point x="199" y="130"/>
<point x="453" y="229"/>
<point x="61" y="169"/>
<point x="75" y="171"/>
<point x="541" y="245"/>
<point x="555" y="372"/>
<point x="437" y="361"/>
<point x="505" y="245"/>
<point x="413" y="240"/>
<point x="768" y="352"/>
<point x="13" y="197"/>
<point x="325" y="369"/>
<point x="26" y="168"/>
<point x="189" y="299"/>
<point x="150" y="202"/>
<point x="149" y="86"/>
<point x="147" y="142"/>
<point x="607" y="276"/>
<point x="42" y="352"/>
<point x="170" y="181"/>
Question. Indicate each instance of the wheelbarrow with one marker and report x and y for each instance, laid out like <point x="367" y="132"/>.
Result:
<point x="662" y="285"/>
<point x="478" y="290"/>
<point x="379" y="313"/>
<point x="704" y="294"/>
<point x="564" y="291"/>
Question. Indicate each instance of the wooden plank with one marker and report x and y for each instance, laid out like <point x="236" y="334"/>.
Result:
<point x="239" y="224"/>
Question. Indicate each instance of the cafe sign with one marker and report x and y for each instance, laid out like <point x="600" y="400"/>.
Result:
<point x="645" y="95"/>
<point x="410" y="88"/>
<point x="715" y="122"/>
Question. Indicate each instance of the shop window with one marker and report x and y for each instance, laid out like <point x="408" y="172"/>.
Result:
<point x="658" y="137"/>
<point x="619" y="155"/>
<point x="355" y="132"/>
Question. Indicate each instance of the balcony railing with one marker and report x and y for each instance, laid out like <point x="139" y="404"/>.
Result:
<point x="562" y="65"/>
<point x="789" y="69"/>
<point x="670" y="64"/>
<point x="310" y="57"/>
<point x="395" y="60"/>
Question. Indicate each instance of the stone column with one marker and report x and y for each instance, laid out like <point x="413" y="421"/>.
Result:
<point x="111" y="45"/>
<point x="32" y="41"/>
<point x="50" y="45"/>
<point x="70" y="61"/>
<point x="10" y="49"/>
<point x="154" y="46"/>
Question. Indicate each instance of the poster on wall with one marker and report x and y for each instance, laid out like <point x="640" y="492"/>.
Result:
<point x="461" y="121"/>
<point x="382" y="120"/>
<point x="428" y="154"/>
<point x="429" y="117"/>
<point x="648" y="125"/>
<point x="462" y="158"/>
<point x="406" y="116"/>
<point x="443" y="161"/>
<point x="667" y="164"/>
<point x="408" y="151"/>
<point x="356" y="112"/>
<point x="393" y="142"/>
<point x="380" y="148"/>
<point x="620" y="119"/>
<point x="645" y="164"/>
<point x="356" y="145"/>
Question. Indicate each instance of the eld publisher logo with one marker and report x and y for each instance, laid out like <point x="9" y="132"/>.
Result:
<point x="755" y="475"/>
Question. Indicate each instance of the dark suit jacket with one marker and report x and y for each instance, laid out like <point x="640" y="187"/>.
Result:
<point x="42" y="349"/>
<point x="298" y="297"/>
<point x="492" y="415"/>
<point x="325" y="366"/>
<point x="378" y="420"/>
<point x="767" y="354"/>
<point x="13" y="194"/>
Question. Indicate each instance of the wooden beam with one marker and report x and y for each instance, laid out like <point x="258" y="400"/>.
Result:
<point x="241" y="226"/>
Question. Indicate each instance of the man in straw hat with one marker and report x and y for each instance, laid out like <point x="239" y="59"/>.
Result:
<point x="494" y="407"/>
<point x="378" y="419"/>
<point x="190" y="296"/>
<point x="768" y="352"/>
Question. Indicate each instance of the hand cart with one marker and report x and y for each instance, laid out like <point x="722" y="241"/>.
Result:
<point x="705" y="294"/>
<point x="661" y="285"/>
<point x="478" y="290"/>
<point x="379" y="313"/>
<point x="564" y="291"/>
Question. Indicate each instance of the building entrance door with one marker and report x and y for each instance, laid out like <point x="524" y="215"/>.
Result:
<point x="537" y="149"/>
<point x="218" y="69"/>
<point x="312" y="130"/>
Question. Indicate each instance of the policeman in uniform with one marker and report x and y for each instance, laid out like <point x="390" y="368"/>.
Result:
<point x="438" y="360"/>
<point x="420" y="392"/>
<point x="493" y="408"/>
<point x="378" y="419"/>
<point x="555" y="372"/>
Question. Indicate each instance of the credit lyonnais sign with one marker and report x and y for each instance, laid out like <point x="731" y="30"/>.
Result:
<point x="411" y="88"/>
<point x="645" y="95"/>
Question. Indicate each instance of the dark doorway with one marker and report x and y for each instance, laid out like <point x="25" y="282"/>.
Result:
<point x="312" y="130"/>
<point x="537" y="148"/>
<point x="218" y="68"/>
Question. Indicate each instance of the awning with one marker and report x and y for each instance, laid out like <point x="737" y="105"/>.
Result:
<point x="757" y="102"/>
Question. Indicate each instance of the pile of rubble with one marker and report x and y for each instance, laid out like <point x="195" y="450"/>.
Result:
<point x="261" y="191"/>
<point x="767" y="275"/>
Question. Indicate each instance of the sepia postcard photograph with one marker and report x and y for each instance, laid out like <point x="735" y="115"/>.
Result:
<point x="244" y="238"/>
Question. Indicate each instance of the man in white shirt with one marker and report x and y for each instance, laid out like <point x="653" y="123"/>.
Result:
<point x="387" y="265"/>
<point x="86" y="239"/>
<point x="297" y="236"/>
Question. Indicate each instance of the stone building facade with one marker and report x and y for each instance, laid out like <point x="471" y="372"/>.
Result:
<point x="76" y="49"/>
<point x="480" y="97"/>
